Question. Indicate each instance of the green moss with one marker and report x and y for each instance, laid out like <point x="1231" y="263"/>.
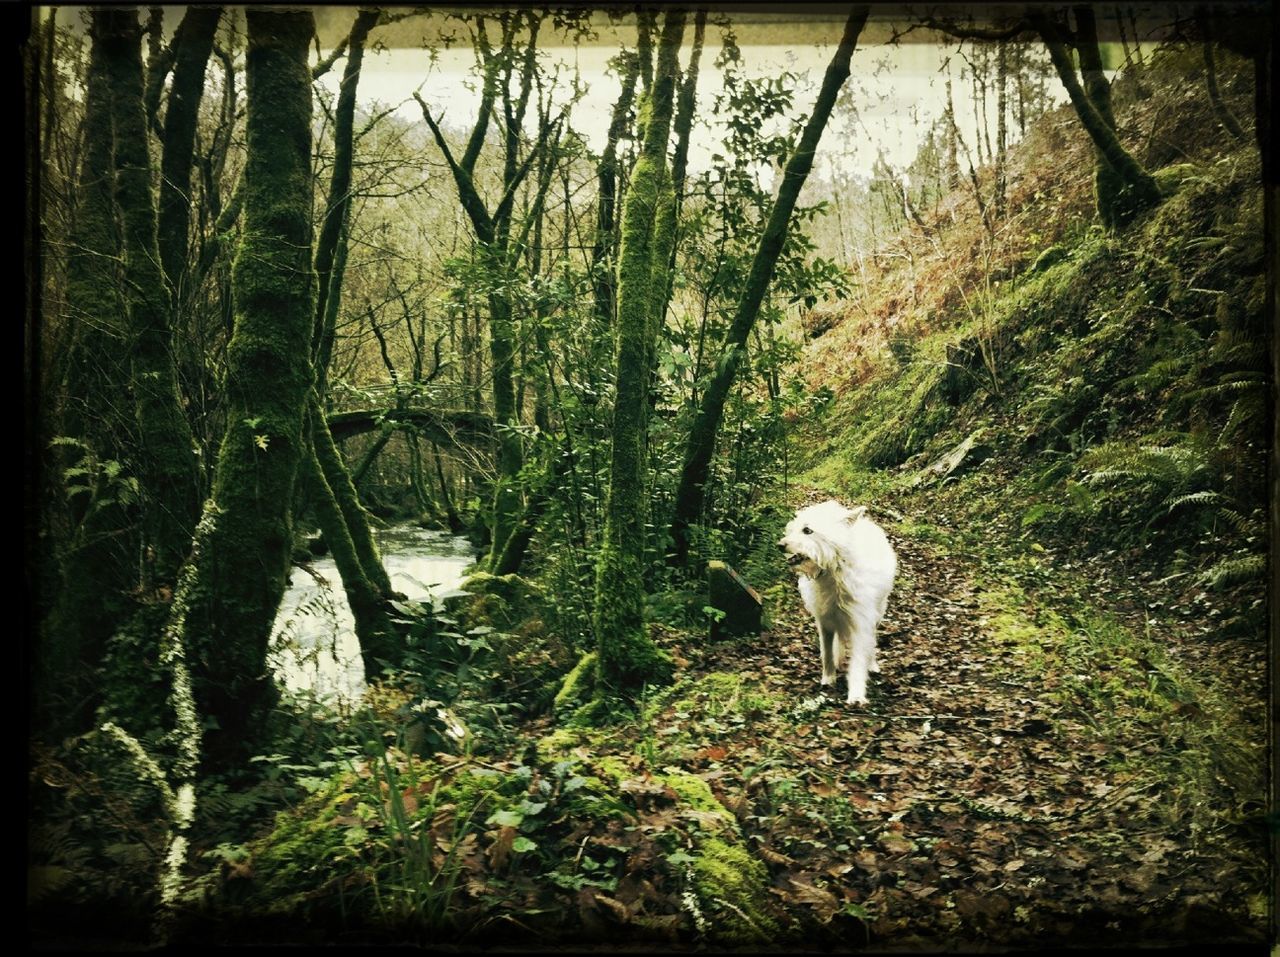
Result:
<point x="693" y="792"/>
<point x="302" y="852"/>
<point x="268" y="378"/>
<point x="1171" y="178"/>
<point x="734" y="885"/>
<point x="506" y="602"/>
<point x="562" y="742"/>
<point x="614" y="769"/>
<point x="580" y="683"/>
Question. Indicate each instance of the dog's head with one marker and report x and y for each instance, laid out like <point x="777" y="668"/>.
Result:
<point x="811" y="540"/>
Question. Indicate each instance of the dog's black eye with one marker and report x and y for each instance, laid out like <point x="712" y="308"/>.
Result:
<point x="807" y="530"/>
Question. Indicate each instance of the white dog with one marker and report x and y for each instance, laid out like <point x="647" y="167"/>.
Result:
<point x="846" y="567"/>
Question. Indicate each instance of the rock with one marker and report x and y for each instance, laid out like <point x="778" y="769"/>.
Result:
<point x="959" y="460"/>
<point x="1050" y="257"/>
<point x="741" y="604"/>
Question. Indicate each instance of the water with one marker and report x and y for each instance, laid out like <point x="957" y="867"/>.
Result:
<point x="314" y="647"/>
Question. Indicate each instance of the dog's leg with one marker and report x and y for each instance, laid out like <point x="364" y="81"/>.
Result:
<point x="874" y="666"/>
<point x="826" y="641"/>
<point x="862" y="649"/>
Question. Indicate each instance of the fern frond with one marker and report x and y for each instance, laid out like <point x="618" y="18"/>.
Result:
<point x="1203" y="497"/>
<point x="1234" y="571"/>
<point x="1246" y="525"/>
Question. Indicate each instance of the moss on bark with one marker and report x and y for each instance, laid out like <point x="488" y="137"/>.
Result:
<point x="244" y="550"/>
<point x="192" y="45"/>
<point x="379" y="643"/>
<point x="166" y="457"/>
<point x="628" y="658"/>
<point x="97" y="564"/>
<point x="343" y="489"/>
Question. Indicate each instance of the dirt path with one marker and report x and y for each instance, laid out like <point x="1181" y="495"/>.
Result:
<point x="960" y="806"/>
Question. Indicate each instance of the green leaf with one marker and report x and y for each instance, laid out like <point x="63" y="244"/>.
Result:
<point x="505" y="818"/>
<point x="522" y="844"/>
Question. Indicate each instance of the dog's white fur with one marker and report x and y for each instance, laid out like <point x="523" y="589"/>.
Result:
<point x="846" y="568"/>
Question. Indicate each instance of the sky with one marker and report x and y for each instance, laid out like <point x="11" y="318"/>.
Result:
<point x="898" y="89"/>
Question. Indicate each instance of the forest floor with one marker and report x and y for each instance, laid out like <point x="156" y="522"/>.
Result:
<point x="1031" y="770"/>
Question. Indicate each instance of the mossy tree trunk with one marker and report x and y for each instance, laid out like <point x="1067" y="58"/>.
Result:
<point x="192" y="44"/>
<point x="628" y="658"/>
<point x="243" y="547"/>
<point x="338" y="485"/>
<point x="1133" y="189"/>
<point x="378" y="639"/>
<point x="702" y="436"/>
<point x="167" y="463"/>
<point x="338" y="206"/>
<point x="665" y="237"/>
<point x="98" y="560"/>
<point x="603" y="249"/>
<point x="1108" y="185"/>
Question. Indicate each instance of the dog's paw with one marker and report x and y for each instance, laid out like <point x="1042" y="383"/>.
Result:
<point x="858" y="701"/>
<point x="828" y="681"/>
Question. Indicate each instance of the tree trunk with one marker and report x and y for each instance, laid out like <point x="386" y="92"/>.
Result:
<point x="192" y="46"/>
<point x="1136" y="190"/>
<point x="456" y="524"/>
<point x="245" y="538"/>
<point x="1002" y="126"/>
<point x="602" y="252"/>
<point x="1229" y="122"/>
<point x="628" y="658"/>
<point x="97" y="564"/>
<point x="329" y="262"/>
<point x="337" y="209"/>
<point x="167" y="463"/>
<point x="702" y="436"/>
<point x="669" y="214"/>
<point x="379" y="644"/>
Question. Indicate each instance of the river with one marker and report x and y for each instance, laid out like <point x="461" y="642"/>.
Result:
<point x="314" y="647"/>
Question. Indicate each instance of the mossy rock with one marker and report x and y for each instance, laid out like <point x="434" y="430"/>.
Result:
<point x="1171" y="178"/>
<point x="733" y="885"/>
<point x="1049" y="258"/>
<point x="299" y="854"/>
<point x="505" y="602"/>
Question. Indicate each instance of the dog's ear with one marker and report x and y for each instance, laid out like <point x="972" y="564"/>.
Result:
<point x="855" y="513"/>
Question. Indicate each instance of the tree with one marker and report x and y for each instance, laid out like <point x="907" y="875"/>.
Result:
<point x="167" y="464"/>
<point x="93" y="424"/>
<point x="192" y="45"/>
<point x="342" y="519"/>
<point x="628" y="659"/>
<point x="493" y="231"/>
<point x="702" y="436"/>
<point x="1124" y="189"/>
<point x="225" y="607"/>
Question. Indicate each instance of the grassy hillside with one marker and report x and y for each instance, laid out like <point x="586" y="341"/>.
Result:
<point x="1113" y="387"/>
